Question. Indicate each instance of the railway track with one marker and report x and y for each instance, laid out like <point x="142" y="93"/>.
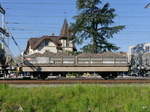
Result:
<point x="77" y="81"/>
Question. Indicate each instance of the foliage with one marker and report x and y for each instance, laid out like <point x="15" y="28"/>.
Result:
<point x="95" y="23"/>
<point x="76" y="98"/>
<point x="87" y="48"/>
<point x="69" y="75"/>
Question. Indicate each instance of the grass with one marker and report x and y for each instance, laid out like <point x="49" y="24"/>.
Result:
<point x="75" y="98"/>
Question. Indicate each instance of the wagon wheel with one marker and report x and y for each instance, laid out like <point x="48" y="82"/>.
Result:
<point x="42" y="76"/>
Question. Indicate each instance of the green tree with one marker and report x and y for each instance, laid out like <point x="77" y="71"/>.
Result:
<point x="95" y="23"/>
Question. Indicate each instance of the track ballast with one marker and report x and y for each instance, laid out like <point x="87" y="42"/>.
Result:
<point x="77" y="81"/>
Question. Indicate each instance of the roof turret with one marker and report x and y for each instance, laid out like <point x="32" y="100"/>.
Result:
<point x="65" y="31"/>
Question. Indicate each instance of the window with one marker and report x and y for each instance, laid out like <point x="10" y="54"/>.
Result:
<point x="147" y="48"/>
<point x="64" y="43"/>
<point x="67" y="44"/>
<point x="46" y="42"/>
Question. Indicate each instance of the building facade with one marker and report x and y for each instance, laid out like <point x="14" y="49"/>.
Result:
<point x="139" y="48"/>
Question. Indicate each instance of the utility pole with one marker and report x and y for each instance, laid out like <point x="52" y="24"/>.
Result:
<point x="5" y="48"/>
<point x="2" y="27"/>
<point x="9" y="59"/>
<point x="2" y="32"/>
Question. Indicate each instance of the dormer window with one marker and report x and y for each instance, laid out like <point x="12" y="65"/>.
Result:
<point x="46" y="42"/>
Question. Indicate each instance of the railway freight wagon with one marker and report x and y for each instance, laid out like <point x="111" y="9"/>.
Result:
<point x="108" y="65"/>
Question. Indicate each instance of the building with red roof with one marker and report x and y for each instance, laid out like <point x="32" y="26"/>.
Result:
<point x="54" y="44"/>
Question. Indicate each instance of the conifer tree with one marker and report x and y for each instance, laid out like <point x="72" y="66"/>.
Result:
<point x="94" y="23"/>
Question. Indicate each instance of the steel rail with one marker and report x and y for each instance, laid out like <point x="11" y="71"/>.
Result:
<point x="77" y="81"/>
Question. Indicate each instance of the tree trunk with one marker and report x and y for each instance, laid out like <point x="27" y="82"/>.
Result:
<point x="94" y="45"/>
<point x="95" y="50"/>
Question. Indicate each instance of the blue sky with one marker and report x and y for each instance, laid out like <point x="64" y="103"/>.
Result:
<point x="35" y="18"/>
